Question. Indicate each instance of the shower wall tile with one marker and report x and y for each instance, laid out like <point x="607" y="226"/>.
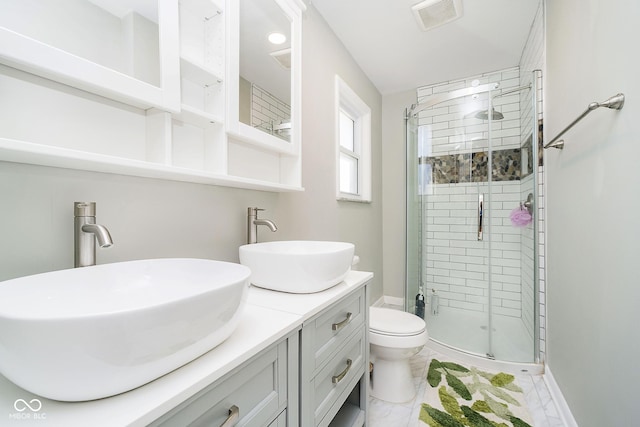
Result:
<point x="457" y="263"/>
<point x="266" y="109"/>
<point x="446" y="87"/>
<point x="456" y="114"/>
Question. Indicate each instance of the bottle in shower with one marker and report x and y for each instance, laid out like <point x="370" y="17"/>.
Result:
<point x="434" y="303"/>
<point x="420" y="303"/>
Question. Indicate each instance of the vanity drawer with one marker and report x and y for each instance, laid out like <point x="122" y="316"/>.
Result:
<point x="328" y="331"/>
<point x="339" y="375"/>
<point x="258" y="389"/>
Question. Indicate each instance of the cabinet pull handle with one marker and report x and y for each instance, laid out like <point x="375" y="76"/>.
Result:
<point x="337" y="378"/>
<point x="232" y="419"/>
<point x="340" y="325"/>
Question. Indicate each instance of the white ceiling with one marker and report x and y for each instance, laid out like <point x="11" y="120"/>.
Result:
<point x="385" y="40"/>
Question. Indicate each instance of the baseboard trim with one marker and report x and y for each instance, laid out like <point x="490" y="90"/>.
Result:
<point x="558" y="399"/>
<point x="379" y="302"/>
<point x="394" y="300"/>
<point x="388" y="300"/>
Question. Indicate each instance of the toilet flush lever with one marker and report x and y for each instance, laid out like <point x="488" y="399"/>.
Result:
<point x="340" y="325"/>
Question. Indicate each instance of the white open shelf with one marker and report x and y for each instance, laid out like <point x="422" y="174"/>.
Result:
<point x="349" y="415"/>
<point x="195" y="116"/>
<point x="190" y="69"/>
<point x="38" y="154"/>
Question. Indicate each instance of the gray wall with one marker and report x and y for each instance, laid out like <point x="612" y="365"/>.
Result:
<point x="147" y="218"/>
<point x="593" y="200"/>
<point x="316" y="214"/>
<point x="156" y="218"/>
<point x="393" y="188"/>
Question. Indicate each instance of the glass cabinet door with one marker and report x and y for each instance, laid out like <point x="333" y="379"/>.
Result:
<point x="125" y="50"/>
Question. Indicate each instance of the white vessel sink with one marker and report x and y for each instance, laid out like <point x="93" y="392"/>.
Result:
<point x="93" y="332"/>
<point x="299" y="267"/>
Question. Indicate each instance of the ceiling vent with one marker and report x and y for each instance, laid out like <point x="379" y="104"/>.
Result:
<point x="433" y="13"/>
<point x="283" y="57"/>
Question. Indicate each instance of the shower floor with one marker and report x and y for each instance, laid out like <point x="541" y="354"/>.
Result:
<point x="467" y="330"/>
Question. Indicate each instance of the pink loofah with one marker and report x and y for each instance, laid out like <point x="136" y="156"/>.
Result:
<point x="520" y="217"/>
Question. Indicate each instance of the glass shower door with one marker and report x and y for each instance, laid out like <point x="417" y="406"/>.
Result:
<point x="414" y="217"/>
<point x="453" y="159"/>
<point x="465" y="151"/>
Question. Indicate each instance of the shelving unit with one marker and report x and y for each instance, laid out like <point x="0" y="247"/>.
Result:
<point x="349" y="415"/>
<point x="179" y="129"/>
<point x="202" y="54"/>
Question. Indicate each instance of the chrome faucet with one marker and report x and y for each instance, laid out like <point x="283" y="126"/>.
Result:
<point x="253" y="222"/>
<point x="85" y="234"/>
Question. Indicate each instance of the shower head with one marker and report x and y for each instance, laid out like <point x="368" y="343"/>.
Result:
<point x="484" y="114"/>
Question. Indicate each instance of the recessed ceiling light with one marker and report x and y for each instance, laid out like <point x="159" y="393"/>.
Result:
<point x="277" y="38"/>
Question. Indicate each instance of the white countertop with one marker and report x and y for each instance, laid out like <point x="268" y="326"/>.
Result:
<point x="307" y="305"/>
<point x="268" y="317"/>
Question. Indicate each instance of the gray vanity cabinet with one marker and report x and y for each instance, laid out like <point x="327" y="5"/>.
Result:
<point x="316" y="376"/>
<point x="257" y="393"/>
<point x="334" y="356"/>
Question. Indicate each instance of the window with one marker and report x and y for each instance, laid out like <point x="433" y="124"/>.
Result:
<point x="353" y="145"/>
<point x="349" y="157"/>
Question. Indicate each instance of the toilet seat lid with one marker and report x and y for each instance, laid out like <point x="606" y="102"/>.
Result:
<point x="387" y="321"/>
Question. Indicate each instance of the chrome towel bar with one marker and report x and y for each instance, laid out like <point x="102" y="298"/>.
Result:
<point x="616" y="102"/>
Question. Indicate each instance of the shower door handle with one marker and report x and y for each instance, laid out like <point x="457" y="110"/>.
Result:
<point x="480" y="214"/>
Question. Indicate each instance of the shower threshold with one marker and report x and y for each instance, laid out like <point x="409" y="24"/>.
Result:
<point x="481" y="361"/>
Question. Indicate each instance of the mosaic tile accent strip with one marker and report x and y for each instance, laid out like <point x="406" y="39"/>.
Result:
<point x="472" y="167"/>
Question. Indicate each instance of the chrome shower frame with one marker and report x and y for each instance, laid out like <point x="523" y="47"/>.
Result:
<point x="415" y="109"/>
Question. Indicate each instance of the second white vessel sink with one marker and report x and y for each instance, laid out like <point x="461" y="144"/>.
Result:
<point x="93" y="332"/>
<point x="297" y="266"/>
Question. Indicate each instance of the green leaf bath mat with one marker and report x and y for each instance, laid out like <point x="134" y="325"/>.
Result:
<point x="457" y="396"/>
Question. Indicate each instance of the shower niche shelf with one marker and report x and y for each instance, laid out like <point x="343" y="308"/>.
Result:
<point x="163" y="113"/>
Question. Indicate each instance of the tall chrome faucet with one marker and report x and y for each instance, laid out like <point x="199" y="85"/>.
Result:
<point x="86" y="232"/>
<point x="253" y="222"/>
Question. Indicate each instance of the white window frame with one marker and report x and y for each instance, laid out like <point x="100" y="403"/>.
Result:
<point x="352" y="105"/>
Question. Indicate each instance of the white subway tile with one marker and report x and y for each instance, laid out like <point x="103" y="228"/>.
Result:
<point x="506" y="311"/>
<point x="467" y="305"/>
<point x="504" y="279"/>
<point x="466" y="274"/>
<point x="481" y="268"/>
<point x="448" y="250"/>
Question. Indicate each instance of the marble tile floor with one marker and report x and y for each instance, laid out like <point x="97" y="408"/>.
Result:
<point x="382" y="414"/>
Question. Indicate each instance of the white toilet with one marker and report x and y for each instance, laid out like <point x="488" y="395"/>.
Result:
<point x="394" y="337"/>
